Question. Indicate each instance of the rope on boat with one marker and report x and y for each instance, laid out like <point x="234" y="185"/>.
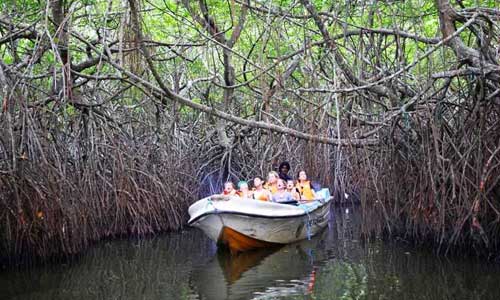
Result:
<point x="307" y="209"/>
<point x="210" y="203"/>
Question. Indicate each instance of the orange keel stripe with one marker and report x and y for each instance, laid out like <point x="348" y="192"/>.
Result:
<point x="239" y="242"/>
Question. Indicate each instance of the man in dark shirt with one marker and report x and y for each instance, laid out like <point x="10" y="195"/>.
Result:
<point x="283" y="171"/>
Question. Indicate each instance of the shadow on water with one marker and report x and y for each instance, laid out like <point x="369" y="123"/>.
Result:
<point x="333" y="265"/>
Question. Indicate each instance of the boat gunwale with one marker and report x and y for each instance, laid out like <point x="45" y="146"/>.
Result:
<point x="228" y="212"/>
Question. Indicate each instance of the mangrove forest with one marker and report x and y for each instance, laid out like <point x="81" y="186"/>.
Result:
<point x="117" y="115"/>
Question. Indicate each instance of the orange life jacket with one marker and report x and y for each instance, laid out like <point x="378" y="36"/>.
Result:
<point x="261" y="195"/>
<point x="305" y="190"/>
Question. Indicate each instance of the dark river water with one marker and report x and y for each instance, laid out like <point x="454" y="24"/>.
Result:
<point x="186" y="265"/>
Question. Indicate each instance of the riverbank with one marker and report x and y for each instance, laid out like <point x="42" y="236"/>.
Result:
<point x="53" y="208"/>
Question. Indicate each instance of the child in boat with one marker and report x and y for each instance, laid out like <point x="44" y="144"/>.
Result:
<point x="244" y="192"/>
<point x="272" y="182"/>
<point x="229" y="189"/>
<point x="290" y="187"/>
<point x="282" y="195"/>
<point x="259" y="192"/>
<point x="304" y="187"/>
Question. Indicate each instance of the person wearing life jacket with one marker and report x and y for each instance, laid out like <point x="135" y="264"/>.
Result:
<point x="290" y="187"/>
<point x="259" y="193"/>
<point x="304" y="187"/>
<point x="282" y="195"/>
<point x="243" y="190"/>
<point x="272" y="182"/>
<point x="229" y="189"/>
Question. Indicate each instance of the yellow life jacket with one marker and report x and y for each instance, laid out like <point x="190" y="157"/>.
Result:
<point x="272" y="188"/>
<point x="305" y="190"/>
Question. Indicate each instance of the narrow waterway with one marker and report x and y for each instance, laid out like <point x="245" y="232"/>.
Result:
<point x="186" y="265"/>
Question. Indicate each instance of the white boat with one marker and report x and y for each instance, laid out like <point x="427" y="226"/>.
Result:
<point x="243" y="224"/>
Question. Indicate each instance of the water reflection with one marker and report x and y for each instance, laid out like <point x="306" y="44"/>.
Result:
<point x="284" y="271"/>
<point x="333" y="265"/>
<point x="150" y="269"/>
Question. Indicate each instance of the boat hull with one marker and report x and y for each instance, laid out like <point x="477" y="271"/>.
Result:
<point x="238" y="242"/>
<point x="244" y="224"/>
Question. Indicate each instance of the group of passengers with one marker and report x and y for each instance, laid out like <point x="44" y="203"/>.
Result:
<point x="279" y="187"/>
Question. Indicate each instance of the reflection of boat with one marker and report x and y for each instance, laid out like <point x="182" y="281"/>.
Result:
<point x="245" y="224"/>
<point x="234" y="266"/>
<point x="251" y="274"/>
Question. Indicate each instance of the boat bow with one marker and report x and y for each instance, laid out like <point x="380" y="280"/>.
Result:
<point x="244" y="224"/>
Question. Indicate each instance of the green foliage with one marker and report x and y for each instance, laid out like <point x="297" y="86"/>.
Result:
<point x="265" y="39"/>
